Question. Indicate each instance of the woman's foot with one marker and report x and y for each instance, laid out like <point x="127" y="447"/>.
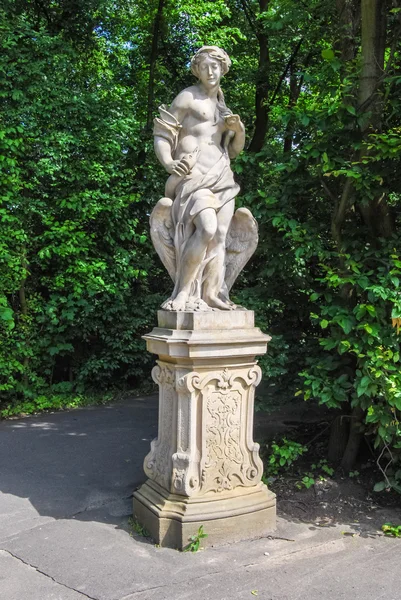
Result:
<point x="215" y="302"/>
<point x="179" y="302"/>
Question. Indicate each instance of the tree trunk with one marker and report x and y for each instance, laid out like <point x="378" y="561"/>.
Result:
<point x="376" y="214"/>
<point x="354" y="440"/>
<point x="349" y="15"/>
<point x="349" y="19"/>
<point x="152" y="63"/>
<point x="338" y="440"/>
<point x="262" y="87"/>
<point x="372" y="61"/>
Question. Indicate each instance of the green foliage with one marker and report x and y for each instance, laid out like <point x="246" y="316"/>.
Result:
<point x="307" y="481"/>
<point x="362" y="348"/>
<point x="323" y="466"/>
<point x="353" y="474"/>
<point x="74" y="251"/>
<point x="318" y="472"/>
<point x="341" y="275"/>
<point x="54" y="402"/>
<point x="195" y="541"/>
<point x="391" y="530"/>
<point x="283" y="455"/>
<point x="138" y="528"/>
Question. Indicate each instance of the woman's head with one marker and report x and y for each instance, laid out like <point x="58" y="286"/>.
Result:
<point x="212" y="54"/>
<point x="209" y="64"/>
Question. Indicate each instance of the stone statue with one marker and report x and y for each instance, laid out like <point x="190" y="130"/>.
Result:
<point x="200" y="240"/>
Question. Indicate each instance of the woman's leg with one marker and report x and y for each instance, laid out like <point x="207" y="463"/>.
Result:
<point x="194" y="253"/>
<point x="214" y="270"/>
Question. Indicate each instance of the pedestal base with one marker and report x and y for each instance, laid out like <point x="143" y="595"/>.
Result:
<point x="172" y="519"/>
<point x="204" y="467"/>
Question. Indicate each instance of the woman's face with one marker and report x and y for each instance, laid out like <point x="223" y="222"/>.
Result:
<point x="210" y="72"/>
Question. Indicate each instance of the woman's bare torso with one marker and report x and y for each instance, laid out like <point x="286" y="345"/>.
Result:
<point x="202" y="128"/>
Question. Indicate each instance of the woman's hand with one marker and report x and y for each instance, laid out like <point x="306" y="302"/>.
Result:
<point x="174" y="167"/>
<point x="183" y="166"/>
<point x="233" y="123"/>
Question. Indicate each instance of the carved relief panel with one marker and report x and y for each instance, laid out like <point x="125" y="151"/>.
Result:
<point x="229" y="457"/>
<point x="205" y="442"/>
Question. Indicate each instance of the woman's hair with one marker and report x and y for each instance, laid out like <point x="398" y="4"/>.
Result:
<point x="223" y="58"/>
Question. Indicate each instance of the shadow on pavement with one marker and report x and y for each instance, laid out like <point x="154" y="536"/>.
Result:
<point x="68" y="464"/>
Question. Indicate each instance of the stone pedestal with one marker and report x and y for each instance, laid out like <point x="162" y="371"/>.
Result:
<point x="204" y="467"/>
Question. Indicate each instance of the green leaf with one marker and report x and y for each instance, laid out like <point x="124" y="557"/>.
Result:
<point x="346" y="324"/>
<point x="6" y="314"/>
<point x="397" y="402"/>
<point x="328" y="54"/>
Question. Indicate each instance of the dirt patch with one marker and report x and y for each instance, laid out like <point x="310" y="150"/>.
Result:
<point x="336" y="500"/>
<point x="306" y="492"/>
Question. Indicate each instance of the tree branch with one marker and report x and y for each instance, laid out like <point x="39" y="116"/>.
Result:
<point x="327" y="190"/>
<point x="250" y="17"/>
<point x="284" y="73"/>
<point x="340" y="211"/>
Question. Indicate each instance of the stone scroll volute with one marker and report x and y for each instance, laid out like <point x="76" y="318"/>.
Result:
<point x="158" y="463"/>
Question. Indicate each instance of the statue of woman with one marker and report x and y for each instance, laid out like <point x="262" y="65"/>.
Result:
<point x="201" y="243"/>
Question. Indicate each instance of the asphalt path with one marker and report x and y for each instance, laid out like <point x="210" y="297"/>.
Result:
<point x="66" y="483"/>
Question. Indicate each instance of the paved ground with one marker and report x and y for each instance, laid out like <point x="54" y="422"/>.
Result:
<point x="65" y="486"/>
